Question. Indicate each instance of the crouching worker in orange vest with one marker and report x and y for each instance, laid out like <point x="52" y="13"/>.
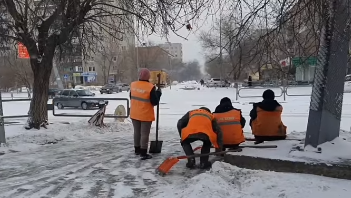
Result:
<point x="143" y="98"/>
<point x="231" y="122"/>
<point x="266" y="122"/>
<point x="199" y="124"/>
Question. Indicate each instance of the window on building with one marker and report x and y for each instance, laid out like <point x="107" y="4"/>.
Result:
<point x="91" y="69"/>
<point x="80" y="68"/>
<point x="124" y="48"/>
<point x="114" y="59"/>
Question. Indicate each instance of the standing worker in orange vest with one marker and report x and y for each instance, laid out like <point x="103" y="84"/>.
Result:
<point x="199" y="124"/>
<point x="143" y="97"/>
<point x="231" y="122"/>
<point x="266" y="122"/>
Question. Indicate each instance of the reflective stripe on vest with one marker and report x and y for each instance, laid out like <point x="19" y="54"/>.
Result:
<point x="139" y="99"/>
<point x="229" y="123"/>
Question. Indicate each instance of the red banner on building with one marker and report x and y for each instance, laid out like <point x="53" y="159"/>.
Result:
<point x="22" y="51"/>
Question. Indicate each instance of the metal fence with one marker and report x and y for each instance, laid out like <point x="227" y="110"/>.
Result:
<point x="51" y="107"/>
<point x="283" y="92"/>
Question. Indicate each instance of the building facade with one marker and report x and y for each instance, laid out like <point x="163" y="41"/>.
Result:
<point x="175" y="49"/>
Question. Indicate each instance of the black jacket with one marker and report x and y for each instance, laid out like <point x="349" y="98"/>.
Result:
<point x="155" y="95"/>
<point x="222" y="108"/>
<point x="266" y="105"/>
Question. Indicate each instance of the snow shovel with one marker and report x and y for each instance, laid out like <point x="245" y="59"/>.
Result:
<point x="156" y="146"/>
<point x="166" y="165"/>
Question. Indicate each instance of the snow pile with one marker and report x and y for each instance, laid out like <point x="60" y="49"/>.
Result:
<point x="337" y="150"/>
<point x="225" y="181"/>
<point x="19" y="139"/>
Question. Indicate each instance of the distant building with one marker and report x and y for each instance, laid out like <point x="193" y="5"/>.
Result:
<point x="153" y="58"/>
<point x="175" y="49"/>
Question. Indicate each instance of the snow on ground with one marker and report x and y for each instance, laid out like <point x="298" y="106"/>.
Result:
<point x="224" y="180"/>
<point x="75" y="159"/>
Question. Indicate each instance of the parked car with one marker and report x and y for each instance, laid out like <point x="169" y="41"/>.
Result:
<point x="64" y="99"/>
<point x="123" y="87"/>
<point x="53" y="92"/>
<point x="109" y="89"/>
<point x="215" y="82"/>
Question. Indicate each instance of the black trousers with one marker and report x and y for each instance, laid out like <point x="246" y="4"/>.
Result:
<point x="188" y="149"/>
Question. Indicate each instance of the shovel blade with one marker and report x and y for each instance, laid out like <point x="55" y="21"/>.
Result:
<point x="155" y="146"/>
<point x="166" y="165"/>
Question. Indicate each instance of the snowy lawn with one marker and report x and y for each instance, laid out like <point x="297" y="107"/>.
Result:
<point x="77" y="160"/>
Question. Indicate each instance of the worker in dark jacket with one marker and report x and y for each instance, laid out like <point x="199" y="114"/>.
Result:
<point x="266" y="122"/>
<point x="143" y="98"/>
<point x="231" y="123"/>
<point x="199" y="125"/>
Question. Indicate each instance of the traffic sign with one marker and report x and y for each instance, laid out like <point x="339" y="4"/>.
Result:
<point x="65" y="76"/>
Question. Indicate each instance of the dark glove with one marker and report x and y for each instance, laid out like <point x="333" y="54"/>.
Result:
<point x="159" y="93"/>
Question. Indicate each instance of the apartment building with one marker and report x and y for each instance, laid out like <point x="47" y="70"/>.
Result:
<point x="175" y="49"/>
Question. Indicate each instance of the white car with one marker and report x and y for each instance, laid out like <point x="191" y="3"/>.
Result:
<point x="215" y="82"/>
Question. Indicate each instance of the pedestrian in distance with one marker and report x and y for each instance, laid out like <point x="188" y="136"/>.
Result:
<point x="266" y="121"/>
<point x="199" y="125"/>
<point x="231" y="122"/>
<point x="143" y="97"/>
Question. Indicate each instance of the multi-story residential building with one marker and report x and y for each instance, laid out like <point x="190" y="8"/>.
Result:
<point x="175" y="49"/>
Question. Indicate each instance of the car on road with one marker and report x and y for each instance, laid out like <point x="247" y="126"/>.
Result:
<point x="109" y="89"/>
<point x="53" y="92"/>
<point x="84" y="101"/>
<point x="123" y="87"/>
<point x="216" y="82"/>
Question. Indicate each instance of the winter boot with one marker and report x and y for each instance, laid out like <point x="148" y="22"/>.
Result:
<point x="144" y="155"/>
<point x="137" y="150"/>
<point x="191" y="163"/>
<point x="205" y="165"/>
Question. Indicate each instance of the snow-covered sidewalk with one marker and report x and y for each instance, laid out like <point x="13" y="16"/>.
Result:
<point x="80" y="161"/>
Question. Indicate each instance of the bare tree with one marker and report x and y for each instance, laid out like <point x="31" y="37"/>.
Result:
<point x="16" y="71"/>
<point x="44" y="25"/>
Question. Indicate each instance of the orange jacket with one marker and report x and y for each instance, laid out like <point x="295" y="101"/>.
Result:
<point x="200" y="121"/>
<point x="268" y="123"/>
<point x="230" y="126"/>
<point x="141" y="108"/>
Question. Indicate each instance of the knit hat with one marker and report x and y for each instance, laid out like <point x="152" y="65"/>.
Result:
<point x="144" y="74"/>
<point x="268" y="95"/>
<point x="225" y="100"/>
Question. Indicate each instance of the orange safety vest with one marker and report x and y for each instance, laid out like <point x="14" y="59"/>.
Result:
<point x="200" y="121"/>
<point x="231" y="127"/>
<point x="140" y="106"/>
<point x="268" y="123"/>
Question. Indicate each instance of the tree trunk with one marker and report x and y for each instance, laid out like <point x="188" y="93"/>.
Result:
<point x="38" y="114"/>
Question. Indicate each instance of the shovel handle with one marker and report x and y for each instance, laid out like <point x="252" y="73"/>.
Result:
<point x="158" y="105"/>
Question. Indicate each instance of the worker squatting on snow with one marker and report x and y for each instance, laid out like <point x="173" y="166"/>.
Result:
<point x="199" y="125"/>
<point x="266" y="123"/>
<point x="231" y="123"/>
<point x="143" y="97"/>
